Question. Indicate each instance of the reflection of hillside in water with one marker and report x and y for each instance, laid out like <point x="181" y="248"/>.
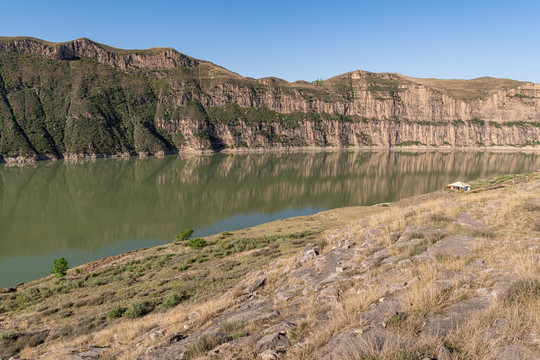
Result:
<point x="52" y="206"/>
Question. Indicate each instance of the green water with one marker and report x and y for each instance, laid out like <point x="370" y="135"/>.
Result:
<point x="88" y="210"/>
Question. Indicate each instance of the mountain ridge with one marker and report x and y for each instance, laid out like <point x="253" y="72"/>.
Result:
<point x="5" y="40"/>
<point x="82" y="98"/>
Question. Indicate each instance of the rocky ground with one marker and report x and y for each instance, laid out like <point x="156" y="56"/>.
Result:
<point x="439" y="276"/>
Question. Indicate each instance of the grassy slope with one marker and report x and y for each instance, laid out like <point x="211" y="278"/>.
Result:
<point x="168" y="284"/>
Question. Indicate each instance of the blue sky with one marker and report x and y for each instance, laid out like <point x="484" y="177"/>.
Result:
<point x="306" y="40"/>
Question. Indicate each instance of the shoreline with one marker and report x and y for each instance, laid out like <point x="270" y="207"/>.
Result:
<point x="268" y="226"/>
<point x="164" y="299"/>
<point x="22" y="160"/>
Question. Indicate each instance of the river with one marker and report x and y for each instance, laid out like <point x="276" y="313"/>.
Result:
<point x="92" y="209"/>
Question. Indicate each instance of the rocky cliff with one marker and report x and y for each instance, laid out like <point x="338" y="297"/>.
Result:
<point x="81" y="98"/>
<point x="156" y="58"/>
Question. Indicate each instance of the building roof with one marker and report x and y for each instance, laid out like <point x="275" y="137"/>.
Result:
<point x="459" y="184"/>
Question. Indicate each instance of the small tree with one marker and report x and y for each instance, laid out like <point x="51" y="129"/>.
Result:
<point x="60" y="267"/>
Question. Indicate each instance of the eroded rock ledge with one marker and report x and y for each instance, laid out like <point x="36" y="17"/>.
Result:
<point x="155" y="58"/>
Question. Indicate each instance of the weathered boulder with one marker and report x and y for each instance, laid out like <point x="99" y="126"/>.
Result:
<point x="268" y="355"/>
<point x="515" y="352"/>
<point x="277" y="341"/>
<point x="453" y="245"/>
<point x="309" y="253"/>
<point x="256" y="285"/>
<point x="454" y="317"/>
<point x="380" y="312"/>
<point x="328" y="295"/>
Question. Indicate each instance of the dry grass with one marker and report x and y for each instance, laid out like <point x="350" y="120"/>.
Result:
<point x="513" y="317"/>
<point x="342" y="318"/>
<point x="506" y="248"/>
<point x="125" y="332"/>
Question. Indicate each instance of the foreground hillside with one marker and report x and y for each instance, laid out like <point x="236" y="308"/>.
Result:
<point x="444" y="275"/>
<point x="81" y="98"/>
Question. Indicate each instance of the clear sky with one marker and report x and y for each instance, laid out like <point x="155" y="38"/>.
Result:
<point x="306" y="40"/>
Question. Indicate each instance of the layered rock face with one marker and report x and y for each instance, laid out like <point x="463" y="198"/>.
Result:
<point x="387" y="96"/>
<point x="81" y="98"/>
<point x="350" y="135"/>
<point x="159" y="58"/>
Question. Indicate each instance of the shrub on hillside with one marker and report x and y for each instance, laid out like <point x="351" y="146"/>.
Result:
<point x="183" y="235"/>
<point x="197" y="243"/>
<point x="60" y="267"/>
<point x="137" y="309"/>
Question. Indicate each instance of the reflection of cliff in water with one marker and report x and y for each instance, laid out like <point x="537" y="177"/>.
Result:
<point x="54" y="205"/>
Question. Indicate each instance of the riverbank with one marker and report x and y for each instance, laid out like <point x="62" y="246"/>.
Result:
<point x="127" y="155"/>
<point x="429" y="276"/>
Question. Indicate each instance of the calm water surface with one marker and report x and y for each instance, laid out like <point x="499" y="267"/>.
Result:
<point x="89" y="210"/>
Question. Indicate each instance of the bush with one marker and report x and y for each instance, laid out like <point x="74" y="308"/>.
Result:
<point x="7" y="335"/>
<point x="60" y="267"/>
<point x="115" y="312"/>
<point x="476" y="121"/>
<point x="183" y="235"/>
<point x="197" y="243"/>
<point x="203" y="135"/>
<point x="137" y="309"/>
<point x="174" y="299"/>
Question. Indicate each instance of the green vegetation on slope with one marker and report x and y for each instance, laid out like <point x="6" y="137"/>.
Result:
<point x="81" y="106"/>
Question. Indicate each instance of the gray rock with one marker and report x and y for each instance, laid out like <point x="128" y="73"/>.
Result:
<point x="453" y="245"/>
<point x="268" y="355"/>
<point x="283" y="327"/>
<point x="467" y="220"/>
<point x="347" y="243"/>
<point x="515" y="352"/>
<point x="405" y="262"/>
<point x="328" y="295"/>
<point x="281" y="296"/>
<point x="176" y="337"/>
<point x="503" y="284"/>
<point x="74" y="353"/>
<point x="309" y="253"/>
<point x="408" y="233"/>
<point x="257" y="284"/>
<point x="454" y="317"/>
<point x="380" y="312"/>
<point x="381" y="254"/>
<point x="496" y="331"/>
<point x="531" y="339"/>
<point x="395" y="287"/>
<point x="151" y="335"/>
<point x="412" y="234"/>
<point x="244" y="317"/>
<point x="277" y="341"/>
<point x="443" y="354"/>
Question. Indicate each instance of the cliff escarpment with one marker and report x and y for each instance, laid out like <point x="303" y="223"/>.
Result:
<point x="82" y="98"/>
